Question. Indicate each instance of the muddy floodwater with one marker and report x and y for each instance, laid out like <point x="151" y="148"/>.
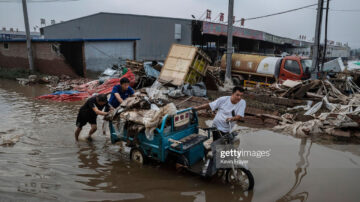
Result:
<point x="45" y="163"/>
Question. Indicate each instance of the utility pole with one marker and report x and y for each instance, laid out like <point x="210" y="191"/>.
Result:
<point x="229" y="49"/>
<point x="316" y="47"/>
<point x="28" y="37"/>
<point x="326" y="31"/>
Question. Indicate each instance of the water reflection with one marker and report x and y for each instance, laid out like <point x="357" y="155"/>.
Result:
<point x="47" y="164"/>
<point x="300" y="173"/>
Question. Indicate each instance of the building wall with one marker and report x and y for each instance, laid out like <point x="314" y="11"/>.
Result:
<point x="156" y="33"/>
<point x="102" y="55"/>
<point x="46" y="60"/>
<point x="13" y="57"/>
<point x="331" y="51"/>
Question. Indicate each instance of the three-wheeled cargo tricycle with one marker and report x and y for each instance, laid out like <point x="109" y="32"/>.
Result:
<point x="178" y="137"/>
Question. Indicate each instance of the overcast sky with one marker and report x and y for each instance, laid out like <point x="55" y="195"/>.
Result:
<point x="344" y="26"/>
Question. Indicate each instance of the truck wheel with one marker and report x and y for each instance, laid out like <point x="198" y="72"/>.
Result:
<point x="236" y="81"/>
<point x="242" y="178"/>
<point x="137" y="156"/>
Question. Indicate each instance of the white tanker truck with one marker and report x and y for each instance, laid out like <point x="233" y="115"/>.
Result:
<point x="248" y="69"/>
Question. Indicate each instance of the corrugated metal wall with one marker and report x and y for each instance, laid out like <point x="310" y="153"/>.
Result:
<point x="156" y="33"/>
<point x="102" y="55"/>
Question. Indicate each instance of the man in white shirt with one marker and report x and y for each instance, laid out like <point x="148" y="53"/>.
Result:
<point x="230" y="108"/>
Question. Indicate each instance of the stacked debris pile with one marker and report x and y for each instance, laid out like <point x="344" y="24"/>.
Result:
<point x="347" y="81"/>
<point x="114" y="72"/>
<point x="337" y="119"/>
<point x="333" y="112"/>
<point x="145" y="72"/>
<point x="312" y="89"/>
<point x="67" y="84"/>
<point x="164" y="91"/>
<point x="213" y="79"/>
<point x="139" y="114"/>
<point x="35" y="79"/>
<point x="266" y="106"/>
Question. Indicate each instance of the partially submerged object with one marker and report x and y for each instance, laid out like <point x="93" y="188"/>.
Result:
<point x="166" y="134"/>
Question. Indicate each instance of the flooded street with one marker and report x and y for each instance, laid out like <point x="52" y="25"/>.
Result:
<point x="47" y="164"/>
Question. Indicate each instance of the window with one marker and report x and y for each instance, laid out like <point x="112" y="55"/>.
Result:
<point x="292" y="66"/>
<point x="55" y="48"/>
<point x="6" y="46"/>
<point x="307" y="64"/>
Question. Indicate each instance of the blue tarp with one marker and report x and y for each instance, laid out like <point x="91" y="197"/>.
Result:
<point x="150" y="71"/>
<point x="67" y="92"/>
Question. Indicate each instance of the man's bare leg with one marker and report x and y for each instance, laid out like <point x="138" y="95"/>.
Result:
<point x="92" y="131"/>
<point x="77" y="133"/>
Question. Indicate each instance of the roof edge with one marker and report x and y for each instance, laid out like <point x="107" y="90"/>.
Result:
<point x="109" y="13"/>
<point x="70" y="40"/>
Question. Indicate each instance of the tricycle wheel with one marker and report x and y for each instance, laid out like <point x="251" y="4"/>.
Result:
<point x="183" y="160"/>
<point x="137" y="156"/>
<point x="241" y="177"/>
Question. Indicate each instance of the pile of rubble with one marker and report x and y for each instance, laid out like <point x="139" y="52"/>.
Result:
<point x="314" y="89"/>
<point x="145" y="72"/>
<point x="68" y="84"/>
<point x="329" y="118"/>
<point x="35" y="79"/>
<point x="213" y="79"/>
<point x="327" y="110"/>
<point x="55" y="83"/>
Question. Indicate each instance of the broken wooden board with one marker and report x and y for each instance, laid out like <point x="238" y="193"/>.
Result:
<point x="305" y="88"/>
<point x="355" y="118"/>
<point x="291" y="83"/>
<point x="340" y="133"/>
<point x="274" y="100"/>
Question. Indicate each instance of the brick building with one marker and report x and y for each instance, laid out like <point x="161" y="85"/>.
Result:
<point x="71" y="57"/>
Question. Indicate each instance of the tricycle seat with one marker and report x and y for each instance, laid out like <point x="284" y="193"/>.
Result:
<point x="188" y="141"/>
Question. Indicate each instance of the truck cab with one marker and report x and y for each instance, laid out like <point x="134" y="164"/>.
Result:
<point x="294" y="68"/>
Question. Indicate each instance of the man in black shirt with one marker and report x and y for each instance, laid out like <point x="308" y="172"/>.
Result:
<point x="88" y="114"/>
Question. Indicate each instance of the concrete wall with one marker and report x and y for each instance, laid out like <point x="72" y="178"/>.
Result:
<point x="101" y="55"/>
<point x="156" y="33"/>
<point x="46" y="60"/>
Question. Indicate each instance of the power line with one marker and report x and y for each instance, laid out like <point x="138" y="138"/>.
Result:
<point x="36" y="1"/>
<point x="279" y="13"/>
<point x="343" y="10"/>
<point x="350" y="10"/>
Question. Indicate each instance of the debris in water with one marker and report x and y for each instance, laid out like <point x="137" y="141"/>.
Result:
<point x="9" y="139"/>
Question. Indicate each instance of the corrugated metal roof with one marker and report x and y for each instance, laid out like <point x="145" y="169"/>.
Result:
<point x="69" y="40"/>
<point x="123" y="14"/>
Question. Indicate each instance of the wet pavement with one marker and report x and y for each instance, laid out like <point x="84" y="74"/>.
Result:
<point x="47" y="164"/>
